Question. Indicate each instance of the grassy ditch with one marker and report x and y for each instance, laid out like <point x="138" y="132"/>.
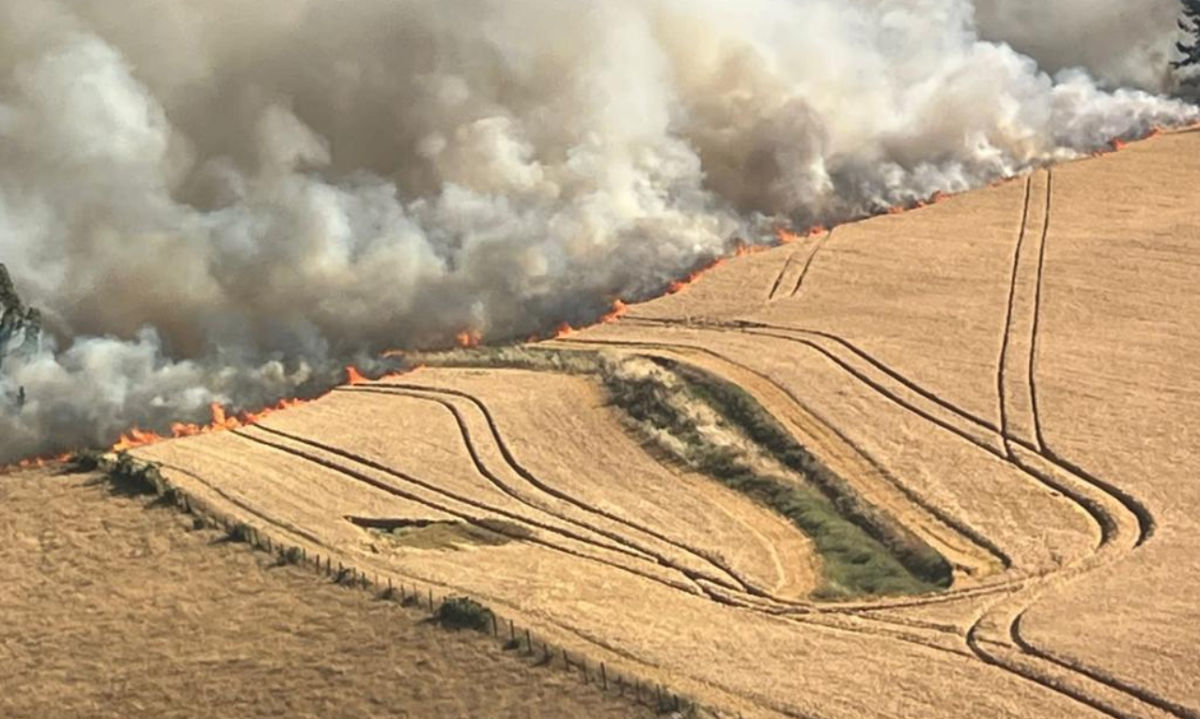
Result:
<point x="917" y="557"/>
<point x="716" y="428"/>
<point x="862" y="552"/>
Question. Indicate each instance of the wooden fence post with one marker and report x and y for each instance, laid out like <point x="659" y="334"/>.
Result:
<point x="603" y="677"/>
<point x="528" y="642"/>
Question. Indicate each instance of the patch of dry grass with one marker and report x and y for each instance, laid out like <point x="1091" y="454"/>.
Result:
<point x="114" y="606"/>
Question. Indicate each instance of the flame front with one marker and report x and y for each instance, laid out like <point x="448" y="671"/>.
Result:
<point x="221" y="420"/>
<point x="678" y="286"/>
<point x="468" y="338"/>
<point x="618" y="311"/>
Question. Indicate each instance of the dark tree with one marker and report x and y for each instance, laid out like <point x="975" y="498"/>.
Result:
<point x="1189" y="22"/>
<point x="17" y="322"/>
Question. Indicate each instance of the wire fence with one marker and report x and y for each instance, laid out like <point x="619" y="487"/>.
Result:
<point x="514" y="637"/>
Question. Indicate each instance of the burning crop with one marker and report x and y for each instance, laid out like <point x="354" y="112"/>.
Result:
<point x="198" y="228"/>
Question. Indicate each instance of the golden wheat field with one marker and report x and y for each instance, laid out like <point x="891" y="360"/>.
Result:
<point x="933" y="464"/>
<point x="115" y="606"/>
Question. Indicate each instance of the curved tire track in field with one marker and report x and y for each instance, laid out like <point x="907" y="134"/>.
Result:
<point x="970" y="638"/>
<point x="812" y="256"/>
<point x="1100" y="508"/>
<point x="680" y="351"/>
<point x="1040" y="446"/>
<point x="630" y="546"/>
<point x="807" y="613"/>
<point x="1004" y="620"/>
<point x="620" y="547"/>
<point x="721" y="595"/>
<point x="388" y="488"/>
<point x="1097" y="675"/>
<point x="515" y="465"/>
<point x="1104" y="516"/>
<point x="1093" y="507"/>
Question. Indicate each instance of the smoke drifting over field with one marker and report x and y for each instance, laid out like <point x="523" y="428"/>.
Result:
<point x="215" y="200"/>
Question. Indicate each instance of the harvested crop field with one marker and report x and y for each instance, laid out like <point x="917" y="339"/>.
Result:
<point x="938" y="464"/>
<point x="114" y="606"/>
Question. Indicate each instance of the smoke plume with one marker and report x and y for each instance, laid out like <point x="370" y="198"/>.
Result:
<point x="227" y="201"/>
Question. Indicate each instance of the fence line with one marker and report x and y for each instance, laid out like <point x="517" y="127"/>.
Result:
<point x="520" y="639"/>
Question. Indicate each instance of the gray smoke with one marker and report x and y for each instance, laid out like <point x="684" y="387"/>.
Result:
<point x="227" y="201"/>
<point x="1126" y="43"/>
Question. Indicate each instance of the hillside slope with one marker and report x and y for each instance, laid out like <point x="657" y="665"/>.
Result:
<point x="1003" y="378"/>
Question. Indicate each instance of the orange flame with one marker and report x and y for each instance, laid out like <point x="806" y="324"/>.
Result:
<point x="221" y="420"/>
<point x="678" y="286"/>
<point x="468" y="338"/>
<point x="563" y="330"/>
<point x="35" y="463"/>
<point x="786" y="237"/>
<point x="618" y="310"/>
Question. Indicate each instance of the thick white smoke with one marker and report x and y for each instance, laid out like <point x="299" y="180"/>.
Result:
<point x="219" y="200"/>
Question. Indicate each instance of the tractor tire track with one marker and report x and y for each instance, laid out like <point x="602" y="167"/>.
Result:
<point x="1099" y="513"/>
<point x="812" y="256"/>
<point x="681" y="351"/>
<point x="1025" y="664"/>
<point x="1096" y="675"/>
<point x="1037" y="317"/>
<point x="629" y="546"/>
<point x="1093" y="508"/>
<point x="1001" y="384"/>
<point x="720" y="595"/>
<point x="1145" y="518"/>
<point x="523" y="472"/>
<point x="782" y="273"/>
<point x="463" y="499"/>
<point x="1146" y="522"/>
<point x="387" y="488"/>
